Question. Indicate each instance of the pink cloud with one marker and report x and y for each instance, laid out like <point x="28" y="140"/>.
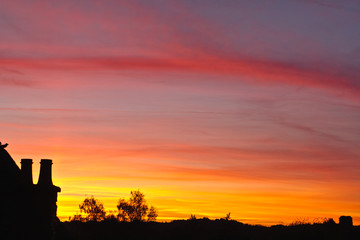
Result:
<point x="262" y="72"/>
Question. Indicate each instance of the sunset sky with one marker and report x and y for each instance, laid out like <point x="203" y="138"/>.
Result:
<point x="206" y="106"/>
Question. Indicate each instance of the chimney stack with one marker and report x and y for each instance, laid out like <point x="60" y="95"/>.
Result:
<point x="45" y="178"/>
<point x="26" y="171"/>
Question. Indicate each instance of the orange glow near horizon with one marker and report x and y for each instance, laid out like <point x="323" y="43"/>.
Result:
<point x="178" y="192"/>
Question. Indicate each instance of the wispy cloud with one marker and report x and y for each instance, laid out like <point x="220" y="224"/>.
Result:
<point x="13" y="82"/>
<point x="44" y="109"/>
<point x="264" y="71"/>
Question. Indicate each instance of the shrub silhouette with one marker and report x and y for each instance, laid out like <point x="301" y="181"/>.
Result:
<point x="111" y="216"/>
<point x="136" y="209"/>
<point x="152" y="214"/>
<point x="192" y="217"/>
<point x="300" y="221"/>
<point x="227" y="217"/>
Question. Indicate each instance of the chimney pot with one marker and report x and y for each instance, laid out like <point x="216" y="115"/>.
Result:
<point x="45" y="178"/>
<point x="26" y="170"/>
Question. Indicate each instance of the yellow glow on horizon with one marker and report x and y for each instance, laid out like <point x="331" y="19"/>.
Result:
<point x="180" y="202"/>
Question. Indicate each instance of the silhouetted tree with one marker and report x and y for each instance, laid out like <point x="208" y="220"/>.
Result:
<point x="136" y="209"/>
<point x="152" y="214"/>
<point x="300" y="221"/>
<point x="227" y="217"/>
<point x="92" y="208"/>
<point x="192" y="217"/>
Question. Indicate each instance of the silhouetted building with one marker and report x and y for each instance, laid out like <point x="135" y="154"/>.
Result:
<point x="346" y="221"/>
<point x="28" y="210"/>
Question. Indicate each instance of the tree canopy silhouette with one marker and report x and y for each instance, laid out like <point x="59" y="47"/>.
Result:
<point x="93" y="209"/>
<point x="136" y="209"/>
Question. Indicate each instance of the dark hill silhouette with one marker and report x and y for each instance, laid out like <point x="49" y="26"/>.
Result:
<point x="203" y="229"/>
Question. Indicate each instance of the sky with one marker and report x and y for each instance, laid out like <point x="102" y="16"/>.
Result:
<point x="206" y="106"/>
